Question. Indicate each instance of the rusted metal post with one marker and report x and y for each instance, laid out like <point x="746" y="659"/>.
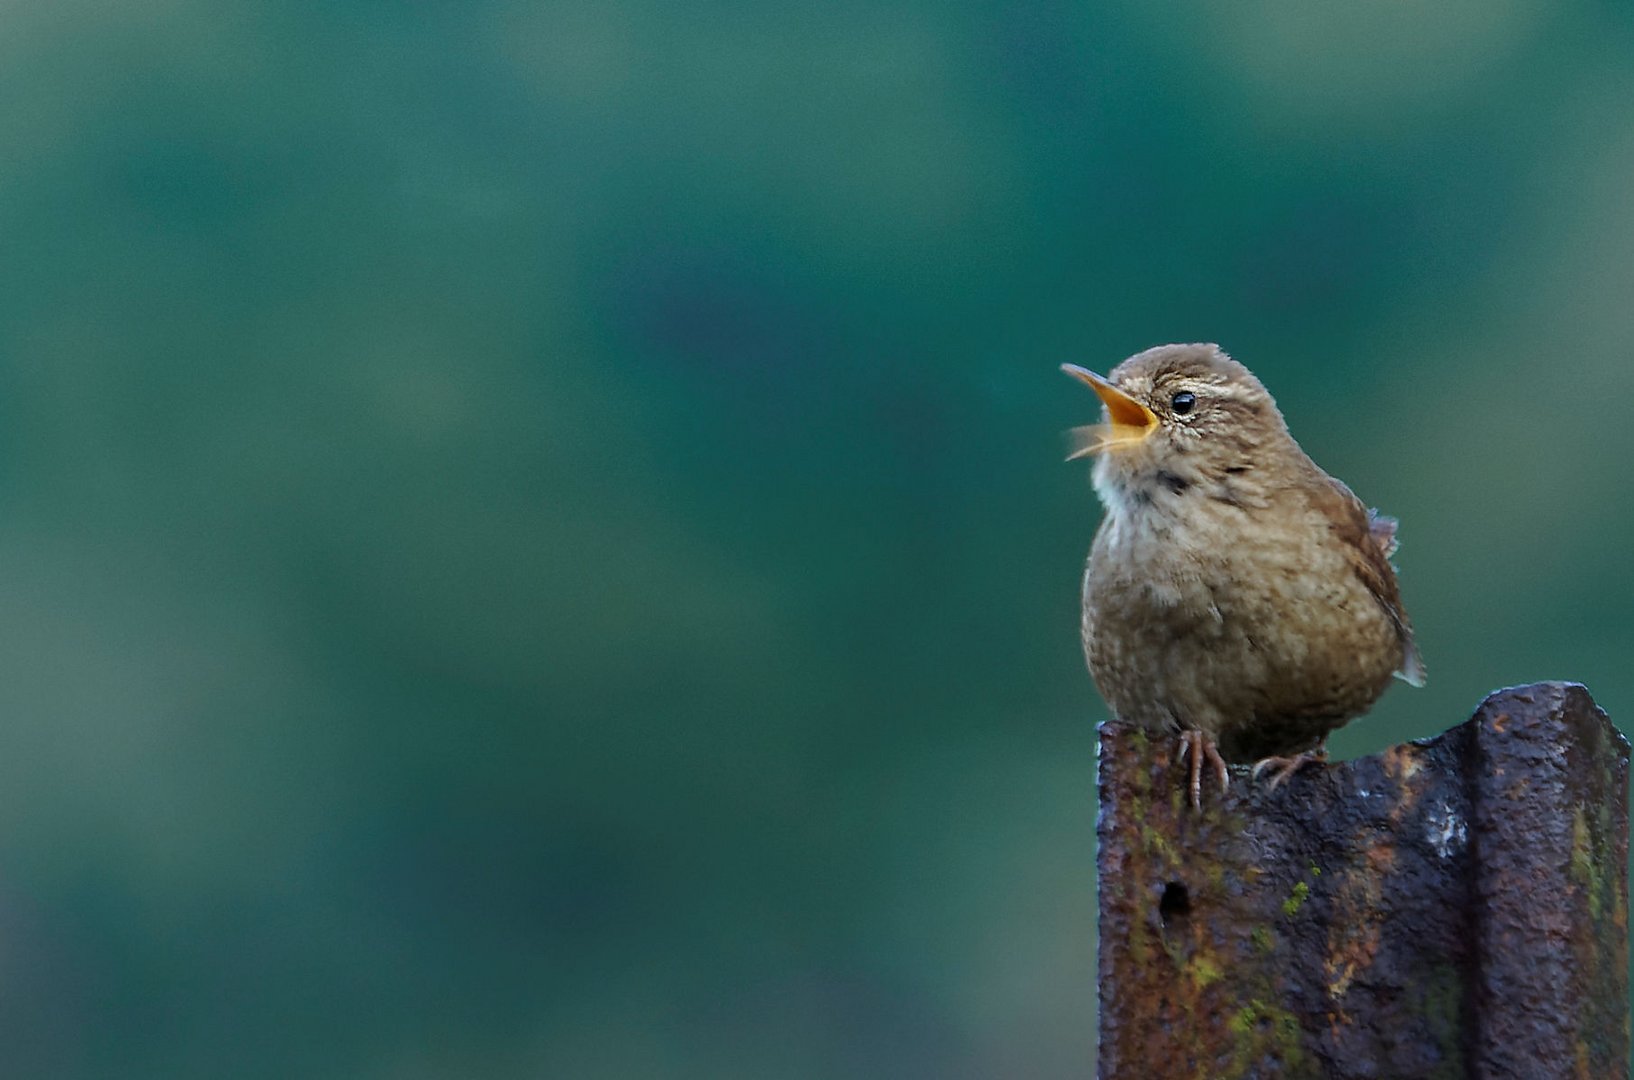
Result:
<point x="1450" y="908"/>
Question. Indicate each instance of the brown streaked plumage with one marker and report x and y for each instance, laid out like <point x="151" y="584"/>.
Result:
<point x="1236" y="594"/>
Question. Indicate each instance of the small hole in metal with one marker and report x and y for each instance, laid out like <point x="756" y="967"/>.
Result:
<point x="1175" y="904"/>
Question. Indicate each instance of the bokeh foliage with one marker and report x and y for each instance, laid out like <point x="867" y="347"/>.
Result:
<point x="533" y="534"/>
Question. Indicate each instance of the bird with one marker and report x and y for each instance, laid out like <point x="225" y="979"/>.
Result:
<point x="1235" y="594"/>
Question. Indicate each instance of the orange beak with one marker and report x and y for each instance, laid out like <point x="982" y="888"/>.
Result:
<point x="1131" y="422"/>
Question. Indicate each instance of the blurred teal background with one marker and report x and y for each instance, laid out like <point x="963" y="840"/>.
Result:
<point x="533" y="536"/>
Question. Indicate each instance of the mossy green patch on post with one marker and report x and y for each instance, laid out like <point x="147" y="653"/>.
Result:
<point x="1586" y="869"/>
<point x="1140" y="948"/>
<point x="1262" y="939"/>
<point x="1259" y="1029"/>
<point x="1141" y="779"/>
<point x="1204" y="971"/>
<point x="1155" y="843"/>
<point x="1440" y="1000"/>
<point x="1301" y="892"/>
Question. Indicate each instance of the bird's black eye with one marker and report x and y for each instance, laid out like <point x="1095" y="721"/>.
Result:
<point x="1182" y="402"/>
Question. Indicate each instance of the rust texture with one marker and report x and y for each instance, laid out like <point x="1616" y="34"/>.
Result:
<point x="1451" y="908"/>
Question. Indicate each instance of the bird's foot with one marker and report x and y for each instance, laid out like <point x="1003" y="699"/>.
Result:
<point x="1201" y="745"/>
<point x="1287" y="766"/>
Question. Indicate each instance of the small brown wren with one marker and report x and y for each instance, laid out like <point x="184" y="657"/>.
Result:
<point x="1236" y="595"/>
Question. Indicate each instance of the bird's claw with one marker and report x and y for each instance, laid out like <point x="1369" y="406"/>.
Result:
<point x="1287" y="766"/>
<point x="1200" y="745"/>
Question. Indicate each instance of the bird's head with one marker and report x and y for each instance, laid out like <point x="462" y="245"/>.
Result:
<point x="1179" y="415"/>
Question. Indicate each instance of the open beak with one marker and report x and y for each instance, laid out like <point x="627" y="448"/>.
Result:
<point x="1131" y="422"/>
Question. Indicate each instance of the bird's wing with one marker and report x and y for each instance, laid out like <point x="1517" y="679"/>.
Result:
<point x="1369" y="540"/>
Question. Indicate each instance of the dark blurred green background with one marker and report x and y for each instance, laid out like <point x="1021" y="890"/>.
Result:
<point x="533" y="536"/>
